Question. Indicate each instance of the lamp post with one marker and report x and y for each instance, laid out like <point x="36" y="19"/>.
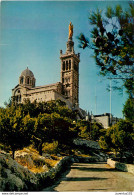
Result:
<point x="110" y="103"/>
<point x="111" y="98"/>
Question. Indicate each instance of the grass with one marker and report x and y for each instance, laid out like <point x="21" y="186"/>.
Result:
<point x="39" y="163"/>
<point x="51" y="163"/>
<point x="38" y="169"/>
<point x="50" y="148"/>
<point x="83" y="155"/>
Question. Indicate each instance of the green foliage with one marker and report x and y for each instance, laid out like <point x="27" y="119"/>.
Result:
<point x="125" y="126"/>
<point x="113" y="43"/>
<point x="128" y="109"/>
<point x="50" y="148"/>
<point x="42" y="128"/>
<point x="104" y="143"/>
<point x="28" y="126"/>
<point x="83" y="129"/>
<point x="42" y="131"/>
<point x="36" y="122"/>
<point x="41" y="123"/>
<point x="13" y="129"/>
<point x="61" y="130"/>
<point x="88" y="130"/>
<point x="84" y="133"/>
<point x="34" y="108"/>
<point x="119" y="137"/>
<point x="38" y="162"/>
<point x="95" y="131"/>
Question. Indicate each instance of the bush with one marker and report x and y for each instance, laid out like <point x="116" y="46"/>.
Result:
<point x="119" y="138"/>
<point x="51" y="148"/>
<point x="38" y="162"/>
<point x="4" y="147"/>
<point x="50" y="163"/>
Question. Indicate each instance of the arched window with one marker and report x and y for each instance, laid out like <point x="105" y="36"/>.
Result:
<point x="33" y="82"/>
<point x="75" y="66"/>
<point x="66" y="65"/>
<point x="20" y="98"/>
<point x="17" y="98"/>
<point x="69" y="64"/>
<point x="63" y="65"/>
<point x="28" y="80"/>
<point x="21" y="80"/>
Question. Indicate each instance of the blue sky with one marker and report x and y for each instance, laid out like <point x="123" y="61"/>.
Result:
<point x="32" y="34"/>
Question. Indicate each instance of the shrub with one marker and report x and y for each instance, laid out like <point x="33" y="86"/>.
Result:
<point x="50" y="163"/>
<point x="38" y="162"/>
<point x="51" y="148"/>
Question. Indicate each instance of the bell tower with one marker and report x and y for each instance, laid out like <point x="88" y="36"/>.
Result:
<point x="70" y="70"/>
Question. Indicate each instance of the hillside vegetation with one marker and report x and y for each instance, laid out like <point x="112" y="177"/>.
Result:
<point x="49" y="126"/>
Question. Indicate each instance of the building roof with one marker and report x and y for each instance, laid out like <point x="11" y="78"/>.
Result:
<point x="99" y="115"/>
<point x="27" y="72"/>
<point x="46" y="86"/>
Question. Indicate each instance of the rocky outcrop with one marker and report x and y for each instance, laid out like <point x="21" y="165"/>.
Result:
<point x="91" y="146"/>
<point x="87" y="143"/>
<point x="15" y="177"/>
<point x="24" y="158"/>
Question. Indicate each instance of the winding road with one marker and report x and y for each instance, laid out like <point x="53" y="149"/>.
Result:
<point x="93" y="177"/>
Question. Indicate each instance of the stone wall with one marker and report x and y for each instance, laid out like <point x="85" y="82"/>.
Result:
<point x="121" y="166"/>
<point x="15" y="177"/>
<point x="104" y="120"/>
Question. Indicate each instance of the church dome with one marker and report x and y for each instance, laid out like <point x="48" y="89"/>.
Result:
<point x="27" y="78"/>
<point x="27" y="72"/>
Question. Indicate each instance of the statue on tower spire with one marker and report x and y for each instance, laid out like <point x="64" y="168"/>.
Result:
<point x="70" y="30"/>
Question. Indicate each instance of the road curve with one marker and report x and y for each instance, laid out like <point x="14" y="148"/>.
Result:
<point x="93" y="177"/>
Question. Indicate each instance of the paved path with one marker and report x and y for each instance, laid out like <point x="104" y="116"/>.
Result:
<point x="96" y="177"/>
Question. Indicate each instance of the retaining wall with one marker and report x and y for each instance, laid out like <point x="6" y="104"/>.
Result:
<point x="15" y="177"/>
<point x="121" y="166"/>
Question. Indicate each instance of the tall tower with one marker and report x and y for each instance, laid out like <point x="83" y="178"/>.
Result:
<point x="70" y="70"/>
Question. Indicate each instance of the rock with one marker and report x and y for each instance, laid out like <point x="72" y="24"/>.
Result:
<point x="14" y="177"/>
<point x="58" y="155"/>
<point x="48" y="156"/>
<point x="44" y="167"/>
<point x="87" y="143"/>
<point x="25" y="159"/>
<point x="73" y="160"/>
<point x="14" y="183"/>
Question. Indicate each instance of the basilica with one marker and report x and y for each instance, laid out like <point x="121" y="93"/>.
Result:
<point x="66" y="90"/>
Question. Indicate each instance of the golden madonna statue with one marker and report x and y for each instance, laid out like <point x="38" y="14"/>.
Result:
<point x="70" y="30"/>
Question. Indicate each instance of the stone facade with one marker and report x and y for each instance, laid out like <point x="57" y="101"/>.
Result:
<point x="70" y="73"/>
<point x="105" y="119"/>
<point x="67" y="90"/>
